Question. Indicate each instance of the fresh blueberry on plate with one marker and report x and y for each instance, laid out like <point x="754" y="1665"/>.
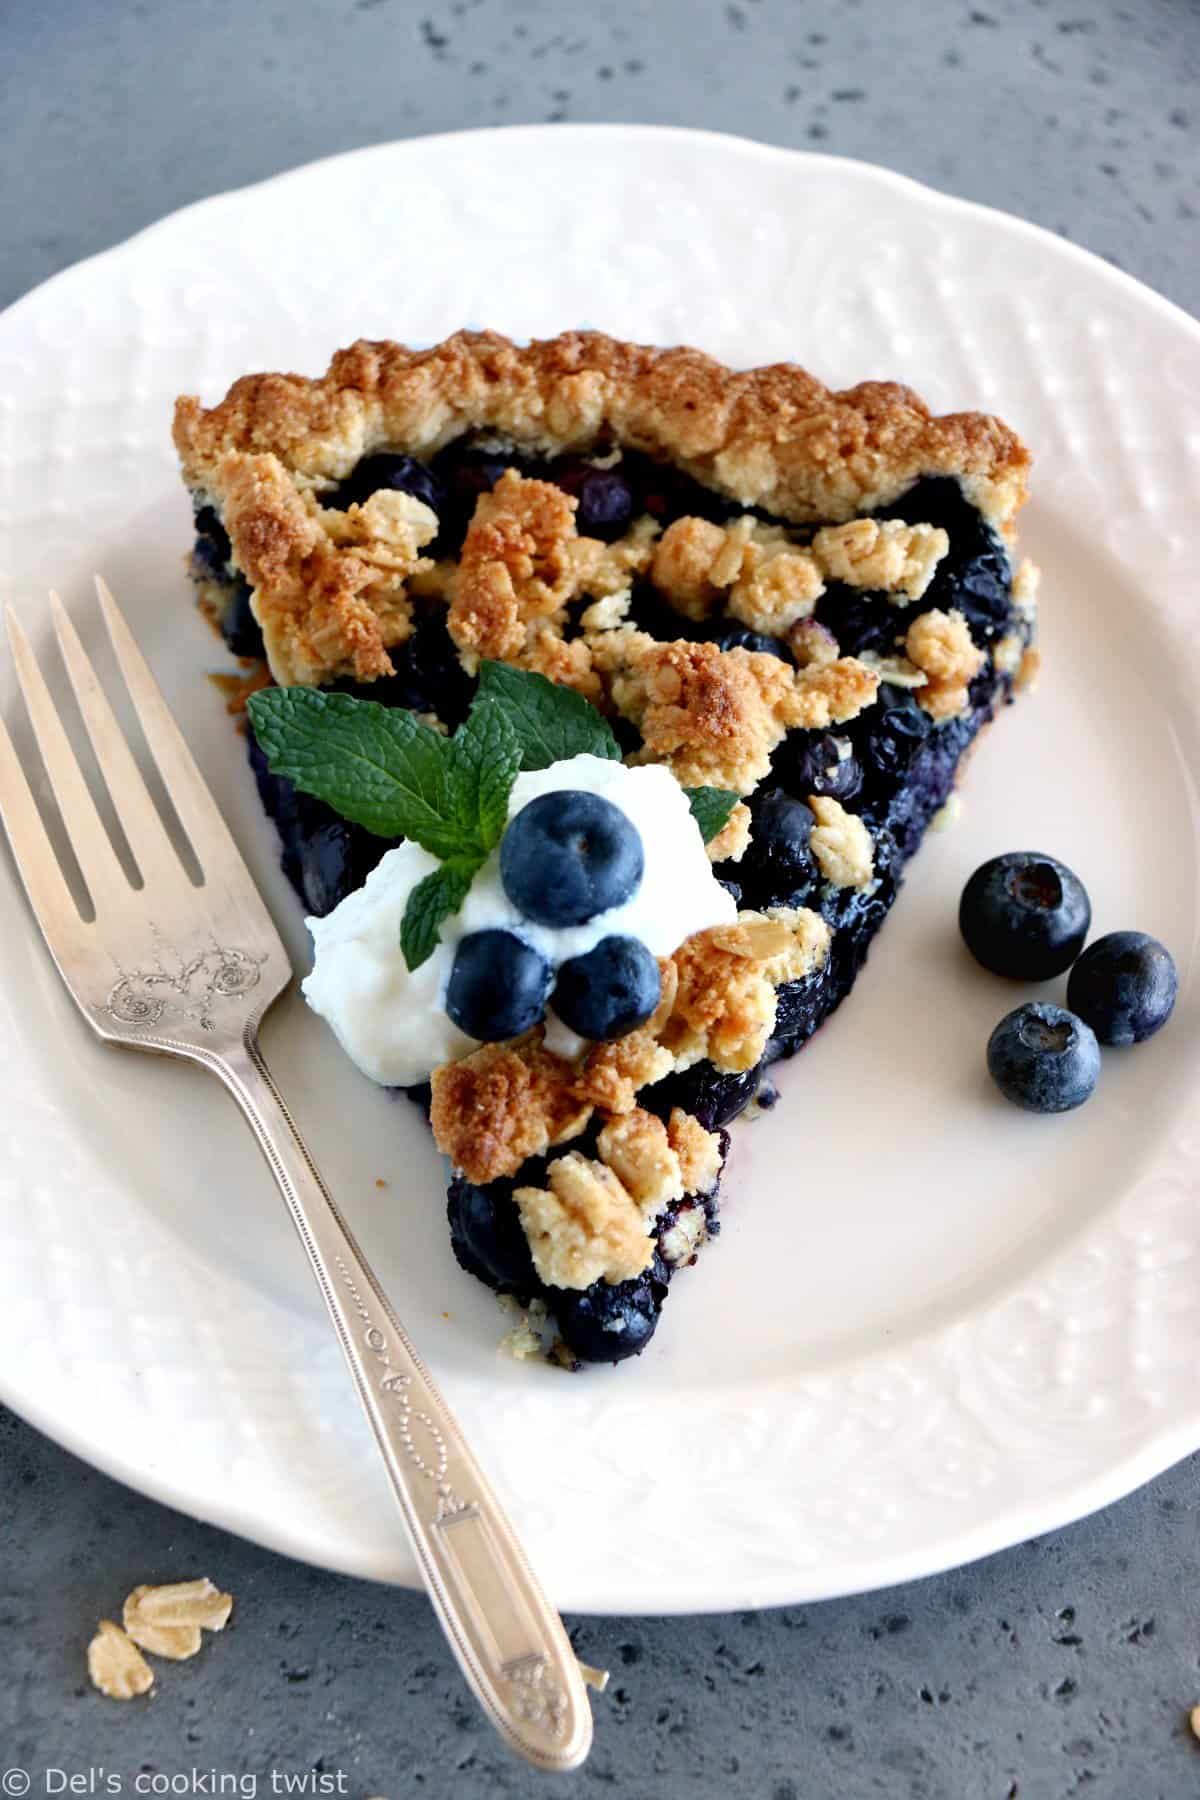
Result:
<point x="498" y="986"/>
<point x="1044" y="1058"/>
<point x="1024" y="915"/>
<point x="568" y="856"/>
<point x="1124" y="985"/>
<point x="610" y="990"/>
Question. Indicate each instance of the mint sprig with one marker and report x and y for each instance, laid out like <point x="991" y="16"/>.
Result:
<point x="711" y="807"/>
<point x="377" y="766"/>
<point x="433" y="900"/>
<point x="551" y="722"/>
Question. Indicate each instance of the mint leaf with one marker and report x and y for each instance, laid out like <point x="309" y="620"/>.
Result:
<point x="434" y="899"/>
<point x="375" y="765"/>
<point x="711" y="808"/>
<point x="550" y="722"/>
<point x="485" y="759"/>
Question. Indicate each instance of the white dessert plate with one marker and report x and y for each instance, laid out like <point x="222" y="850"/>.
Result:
<point x="932" y="1324"/>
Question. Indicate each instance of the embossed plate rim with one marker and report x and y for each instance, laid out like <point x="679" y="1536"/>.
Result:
<point x="733" y="1578"/>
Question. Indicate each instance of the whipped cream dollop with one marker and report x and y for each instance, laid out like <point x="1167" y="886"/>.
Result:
<point x="392" y="1020"/>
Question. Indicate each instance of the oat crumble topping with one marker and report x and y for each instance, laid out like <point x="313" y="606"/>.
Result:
<point x="585" y="1226"/>
<point x="841" y="844"/>
<point x="940" y="644"/>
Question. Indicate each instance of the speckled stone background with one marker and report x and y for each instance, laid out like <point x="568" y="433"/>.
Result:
<point x="1066" y="1666"/>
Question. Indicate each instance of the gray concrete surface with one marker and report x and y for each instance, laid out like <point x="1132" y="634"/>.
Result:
<point x="1063" y="1667"/>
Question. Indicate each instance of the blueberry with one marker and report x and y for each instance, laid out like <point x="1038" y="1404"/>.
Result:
<point x="816" y="762"/>
<point x="465" y="473"/>
<point x="1044" y="1058"/>
<point x="1124" y="985"/>
<point x="428" y="677"/>
<point x="403" y="474"/>
<point x="609" y="991"/>
<point x="212" y="539"/>
<point x="778" y="860"/>
<point x="740" y="637"/>
<point x="606" y="1323"/>
<point x="498" y="986"/>
<point x="488" y="1237"/>
<point x="568" y="856"/>
<point x="334" y="858"/>
<point x="713" y="1096"/>
<point x="605" y="501"/>
<point x="891" y="738"/>
<point x="239" y="627"/>
<point x="1024" y="915"/>
<point x="858" y="620"/>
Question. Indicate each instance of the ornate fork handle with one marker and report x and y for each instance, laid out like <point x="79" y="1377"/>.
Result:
<point x="509" y="1642"/>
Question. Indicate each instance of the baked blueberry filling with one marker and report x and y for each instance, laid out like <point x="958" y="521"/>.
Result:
<point x="892" y="765"/>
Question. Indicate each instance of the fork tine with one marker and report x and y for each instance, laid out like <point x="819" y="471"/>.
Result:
<point x="51" y="899"/>
<point x="106" y="880"/>
<point x="198" y="814"/>
<point x="144" y="829"/>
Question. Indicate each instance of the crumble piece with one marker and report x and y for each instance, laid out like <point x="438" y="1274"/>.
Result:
<point x="940" y="644"/>
<point x="681" y="566"/>
<point x="725" y="1005"/>
<point x="710" y="714"/>
<point x="698" y="1150"/>
<point x="635" y="1146"/>
<point x="585" y="1226"/>
<point x="594" y="1678"/>
<point x="688" y="1231"/>
<point x="388" y="530"/>
<point x="828" y="693"/>
<point x="325" y="611"/>
<point x="733" y="839"/>
<point x="611" y="1074"/>
<point x="606" y="614"/>
<point x="116" y="1665"/>
<point x="504" y="1103"/>
<point x="887" y="554"/>
<point x="897" y="671"/>
<point x="791" y="942"/>
<point x="779" y="590"/>
<point x="1007" y="653"/>
<point x="1026" y="581"/>
<point x="841" y="844"/>
<point x="812" y="644"/>
<point x="1027" y="674"/>
<point x="515" y="569"/>
<point x="526" y="1339"/>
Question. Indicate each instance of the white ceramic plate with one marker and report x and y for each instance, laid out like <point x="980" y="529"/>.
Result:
<point x="932" y="1324"/>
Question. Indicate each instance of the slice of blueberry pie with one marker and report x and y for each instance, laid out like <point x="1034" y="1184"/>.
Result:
<point x="600" y="695"/>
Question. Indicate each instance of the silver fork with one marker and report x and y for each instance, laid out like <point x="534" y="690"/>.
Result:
<point x="189" y="971"/>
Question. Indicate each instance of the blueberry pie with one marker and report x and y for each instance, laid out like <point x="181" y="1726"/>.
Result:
<point x="600" y="695"/>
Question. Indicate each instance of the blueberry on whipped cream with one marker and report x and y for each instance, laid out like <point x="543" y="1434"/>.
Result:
<point x="399" y="1024"/>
